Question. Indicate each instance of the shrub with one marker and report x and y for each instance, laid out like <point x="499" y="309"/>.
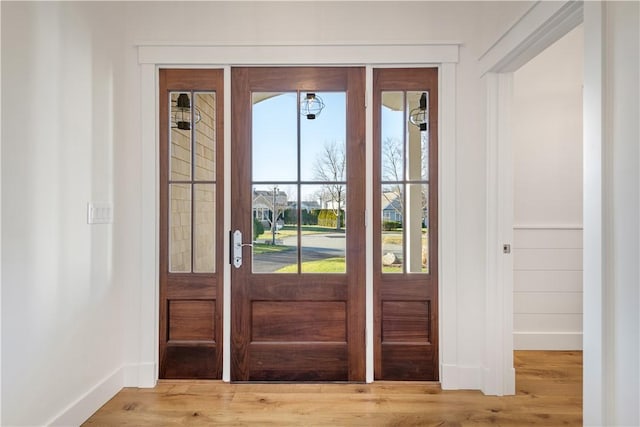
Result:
<point x="327" y="218"/>
<point x="391" y="225"/>
<point x="310" y="217"/>
<point x="258" y="228"/>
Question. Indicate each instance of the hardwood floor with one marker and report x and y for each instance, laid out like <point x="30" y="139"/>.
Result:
<point x="548" y="387"/>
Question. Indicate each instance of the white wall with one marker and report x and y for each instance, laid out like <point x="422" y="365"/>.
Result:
<point x="62" y="314"/>
<point x="547" y="156"/>
<point x="612" y="214"/>
<point x="72" y="322"/>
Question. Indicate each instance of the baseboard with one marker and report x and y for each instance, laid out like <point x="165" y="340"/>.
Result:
<point x="80" y="410"/>
<point x="547" y="341"/>
<point x="141" y="375"/>
<point x="509" y="386"/>
<point x="456" y="377"/>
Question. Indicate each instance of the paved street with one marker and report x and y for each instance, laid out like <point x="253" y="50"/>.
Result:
<point x="314" y="247"/>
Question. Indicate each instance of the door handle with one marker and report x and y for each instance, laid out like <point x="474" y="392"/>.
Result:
<point x="237" y="248"/>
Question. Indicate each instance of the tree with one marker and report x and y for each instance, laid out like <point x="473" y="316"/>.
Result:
<point x="393" y="172"/>
<point x="392" y="167"/>
<point x="330" y="168"/>
<point x="276" y="202"/>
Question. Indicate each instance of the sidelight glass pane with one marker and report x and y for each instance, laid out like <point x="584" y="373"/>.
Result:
<point x="275" y="230"/>
<point x="392" y="238"/>
<point x="404" y="157"/>
<point x="180" y="139"/>
<point x="392" y="136"/>
<point x="205" y="137"/>
<point x="323" y="232"/>
<point x="416" y="224"/>
<point x="418" y="140"/>
<point x="180" y="228"/>
<point x="274" y="136"/>
<point x="204" y="228"/>
<point x="322" y="140"/>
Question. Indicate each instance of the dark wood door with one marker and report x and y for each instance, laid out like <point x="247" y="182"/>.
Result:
<point x="298" y="197"/>
<point x="191" y="214"/>
<point x="405" y="112"/>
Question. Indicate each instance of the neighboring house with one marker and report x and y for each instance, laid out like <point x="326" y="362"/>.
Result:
<point x="263" y="203"/>
<point x="391" y="207"/>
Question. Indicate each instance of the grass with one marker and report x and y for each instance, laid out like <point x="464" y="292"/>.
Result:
<point x="395" y="237"/>
<point x="264" y="248"/>
<point x="329" y="265"/>
<point x="392" y="268"/>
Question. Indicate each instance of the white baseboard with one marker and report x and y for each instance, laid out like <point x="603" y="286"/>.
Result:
<point x="141" y="375"/>
<point x="510" y="382"/>
<point x="80" y="410"/>
<point x="134" y="375"/>
<point x="547" y="341"/>
<point x="456" y="377"/>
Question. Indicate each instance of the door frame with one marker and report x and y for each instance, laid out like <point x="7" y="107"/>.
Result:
<point x="541" y="26"/>
<point x="444" y="56"/>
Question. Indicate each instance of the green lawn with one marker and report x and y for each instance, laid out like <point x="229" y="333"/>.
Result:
<point x="329" y="265"/>
<point x="264" y="248"/>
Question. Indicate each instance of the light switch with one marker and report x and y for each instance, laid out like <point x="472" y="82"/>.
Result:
<point x="99" y="213"/>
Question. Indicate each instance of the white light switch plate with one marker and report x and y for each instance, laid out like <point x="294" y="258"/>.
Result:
<point x="99" y="213"/>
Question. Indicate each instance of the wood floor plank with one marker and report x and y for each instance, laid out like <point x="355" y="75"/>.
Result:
<point x="548" y="384"/>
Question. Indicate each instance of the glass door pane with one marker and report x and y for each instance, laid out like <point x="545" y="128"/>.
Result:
<point x="192" y="182"/>
<point x="404" y="169"/>
<point x="299" y="178"/>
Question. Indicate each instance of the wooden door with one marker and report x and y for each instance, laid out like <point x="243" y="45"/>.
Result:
<point x="405" y="111"/>
<point x="298" y="198"/>
<point x="191" y="214"/>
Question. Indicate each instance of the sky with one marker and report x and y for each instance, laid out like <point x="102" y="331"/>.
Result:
<point x="274" y="133"/>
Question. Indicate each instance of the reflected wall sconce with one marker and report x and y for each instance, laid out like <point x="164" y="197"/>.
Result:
<point x="311" y="106"/>
<point x="181" y="113"/>
<point x="419" y="116"/>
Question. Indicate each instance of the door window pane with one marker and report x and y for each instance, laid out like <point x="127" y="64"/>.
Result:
<point x="204" y="228"/>
<point x="323" y="140"/>
<point x="180" y="228"/>
<point x="392" y="228"/>
<point x="323" y="233"/>
<point x="275" y="242"/>
<point x="392" y="136"/>
<point x="274" y="136"/>
<point x="416" y="228"/>
<point x="205" y="137"/>
<point x="418" y="140"/>
<point x="180" y="136"/>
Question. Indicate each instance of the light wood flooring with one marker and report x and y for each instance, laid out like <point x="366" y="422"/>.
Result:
<point x="548" y="387"/>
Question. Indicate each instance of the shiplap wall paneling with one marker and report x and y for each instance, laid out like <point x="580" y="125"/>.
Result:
<point x="547" y="288"/>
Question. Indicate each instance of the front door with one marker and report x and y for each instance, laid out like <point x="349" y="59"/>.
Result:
<point x="298" y="249"/>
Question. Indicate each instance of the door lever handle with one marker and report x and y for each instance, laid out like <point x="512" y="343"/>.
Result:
<point x="237" y="248"/>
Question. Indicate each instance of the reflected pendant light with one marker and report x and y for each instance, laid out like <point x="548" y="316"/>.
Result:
<point x="181" y="113"/>
<point x="311" y="106"/>
<point x="419" y="116"/>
